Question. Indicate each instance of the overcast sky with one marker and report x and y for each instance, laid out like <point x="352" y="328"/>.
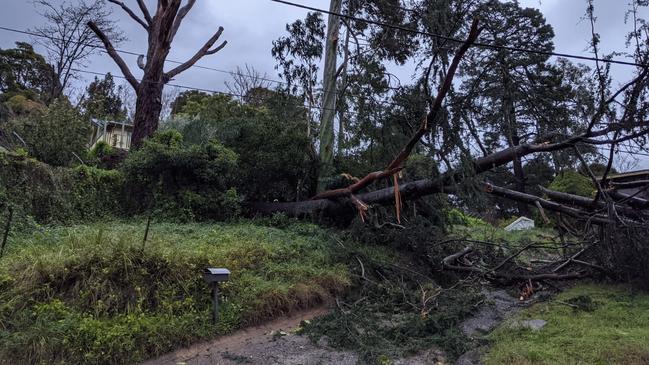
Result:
<point x="252" y="25"/>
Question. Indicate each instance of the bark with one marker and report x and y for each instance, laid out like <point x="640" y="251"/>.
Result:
<point x="590" y="204"/>
<point x="329" y="98"/>
<point x="546" y="204"/>
<point x="161" y="29"/>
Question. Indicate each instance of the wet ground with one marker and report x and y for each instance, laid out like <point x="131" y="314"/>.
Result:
<point x="276" y="343"/>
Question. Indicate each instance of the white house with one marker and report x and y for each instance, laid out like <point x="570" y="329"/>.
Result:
<point x="521" y="224"/>
<point x="116" y="134"/>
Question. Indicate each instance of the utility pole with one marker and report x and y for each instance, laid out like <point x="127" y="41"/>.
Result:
<point x="327" y="136"/>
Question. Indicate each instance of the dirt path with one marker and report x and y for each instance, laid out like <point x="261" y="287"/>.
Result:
<point x="259" y="345"/>
<point x="498" y="306"/>
<point x="262" y="344"/>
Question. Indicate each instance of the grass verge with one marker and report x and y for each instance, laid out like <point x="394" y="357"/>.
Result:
<point x="93" y="294"/>
<point x="613" y="328"/>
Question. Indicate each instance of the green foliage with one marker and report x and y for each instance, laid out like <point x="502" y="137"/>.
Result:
<point x="269" y="138"/>
<point x="55" y="134"/>
<point x="102" y="100"/>
<point x="456" y="216"/>
<point x="299" y="53"/>
<point x="45" y="194"/>
<point x="572" y="182"/>
<point x="614" y="331"/>
<point x="182" y="182"/>
<point x="92" y="295"/>
<point x="23" y="72"/>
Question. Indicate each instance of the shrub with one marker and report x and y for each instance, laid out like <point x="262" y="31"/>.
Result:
<point x="456" y="216"/>
<point x="572" y="182"/>
<point x="276" y="160"/>
<point x="45" y="194"/>
<point x="55" y="134"/>
<point x="182" y="182"/>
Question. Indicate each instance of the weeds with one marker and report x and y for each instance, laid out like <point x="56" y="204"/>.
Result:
<point x="613" y="328"/>
<point x="394" y="312"/>
<point x="90" y="294"/>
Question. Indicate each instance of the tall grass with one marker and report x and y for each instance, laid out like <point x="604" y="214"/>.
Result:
<point x="95" y="294"/>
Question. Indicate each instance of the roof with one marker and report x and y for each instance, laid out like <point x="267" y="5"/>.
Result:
<point x="100" y="122"/>
<point x="626" y="175"/>
<point x="519" y="220"/>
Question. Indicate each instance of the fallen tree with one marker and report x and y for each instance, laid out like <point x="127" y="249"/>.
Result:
<point x="602" y="220"/>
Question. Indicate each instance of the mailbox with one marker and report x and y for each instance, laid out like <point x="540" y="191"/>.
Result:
<point x="216" y="275"/>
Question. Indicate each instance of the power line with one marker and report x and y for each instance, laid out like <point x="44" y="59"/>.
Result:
<point x="101" y="48"/>
<point x="457" y="40"/>
<point x="192" y="88"/>
<point x="235" y="73"/>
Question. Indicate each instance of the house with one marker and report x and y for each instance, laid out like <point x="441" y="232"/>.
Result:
<point x="630" y="183"/>
<point x="521" y="224"/>
<point x="115" y="133"/>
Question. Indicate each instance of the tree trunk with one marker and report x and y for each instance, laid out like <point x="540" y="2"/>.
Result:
<point x="329" y="98"/>
<point x="509" y="115"/>
<point x="161" y="29"/>
<point x="147" y="111"/>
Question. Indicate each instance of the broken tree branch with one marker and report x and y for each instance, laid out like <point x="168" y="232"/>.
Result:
<point x="179" y="18"/>
<point x="205" y="50"/>
<point x="397" y="163"/>
<point x="589" y="203"/>
<point x="114" y="55"/>
<point x="131" y="13"/>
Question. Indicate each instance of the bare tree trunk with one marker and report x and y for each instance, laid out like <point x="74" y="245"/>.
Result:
<point x="161" y="29"/>
<point x="329" y="98"/>
<point x="147" y="112"/>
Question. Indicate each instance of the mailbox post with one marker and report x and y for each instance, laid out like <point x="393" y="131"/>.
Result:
<point x="214" y="276"/>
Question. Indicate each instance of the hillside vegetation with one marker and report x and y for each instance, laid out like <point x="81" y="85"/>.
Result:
<point x="93" y="294"/>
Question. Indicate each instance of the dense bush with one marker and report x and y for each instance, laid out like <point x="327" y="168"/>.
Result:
<point x="572" y="182"/>
<point x="53" y="135"/>
<point x="276" y="159"/>
<point x="45" y="194"/>
<point x="182" y="182"/>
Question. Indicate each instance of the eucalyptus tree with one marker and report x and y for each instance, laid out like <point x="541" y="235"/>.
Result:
<point x="25" y="72"/>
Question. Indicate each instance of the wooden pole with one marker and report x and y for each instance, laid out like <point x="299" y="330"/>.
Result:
<point x="215" y="293"/>
<point x="146" y="231"/>
<point x="6" y="232"/>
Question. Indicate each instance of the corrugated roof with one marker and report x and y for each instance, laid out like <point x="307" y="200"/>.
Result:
<point x="626" y="174"/>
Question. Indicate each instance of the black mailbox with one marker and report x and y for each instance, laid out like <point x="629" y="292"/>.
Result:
<point x="216" y="275"/>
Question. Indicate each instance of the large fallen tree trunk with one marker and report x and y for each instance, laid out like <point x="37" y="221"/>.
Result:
<point x="592" y="204"/>
<point x="546" y="204"/>
<point x="630" y="200"/>
<point x="342" y="201"/>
